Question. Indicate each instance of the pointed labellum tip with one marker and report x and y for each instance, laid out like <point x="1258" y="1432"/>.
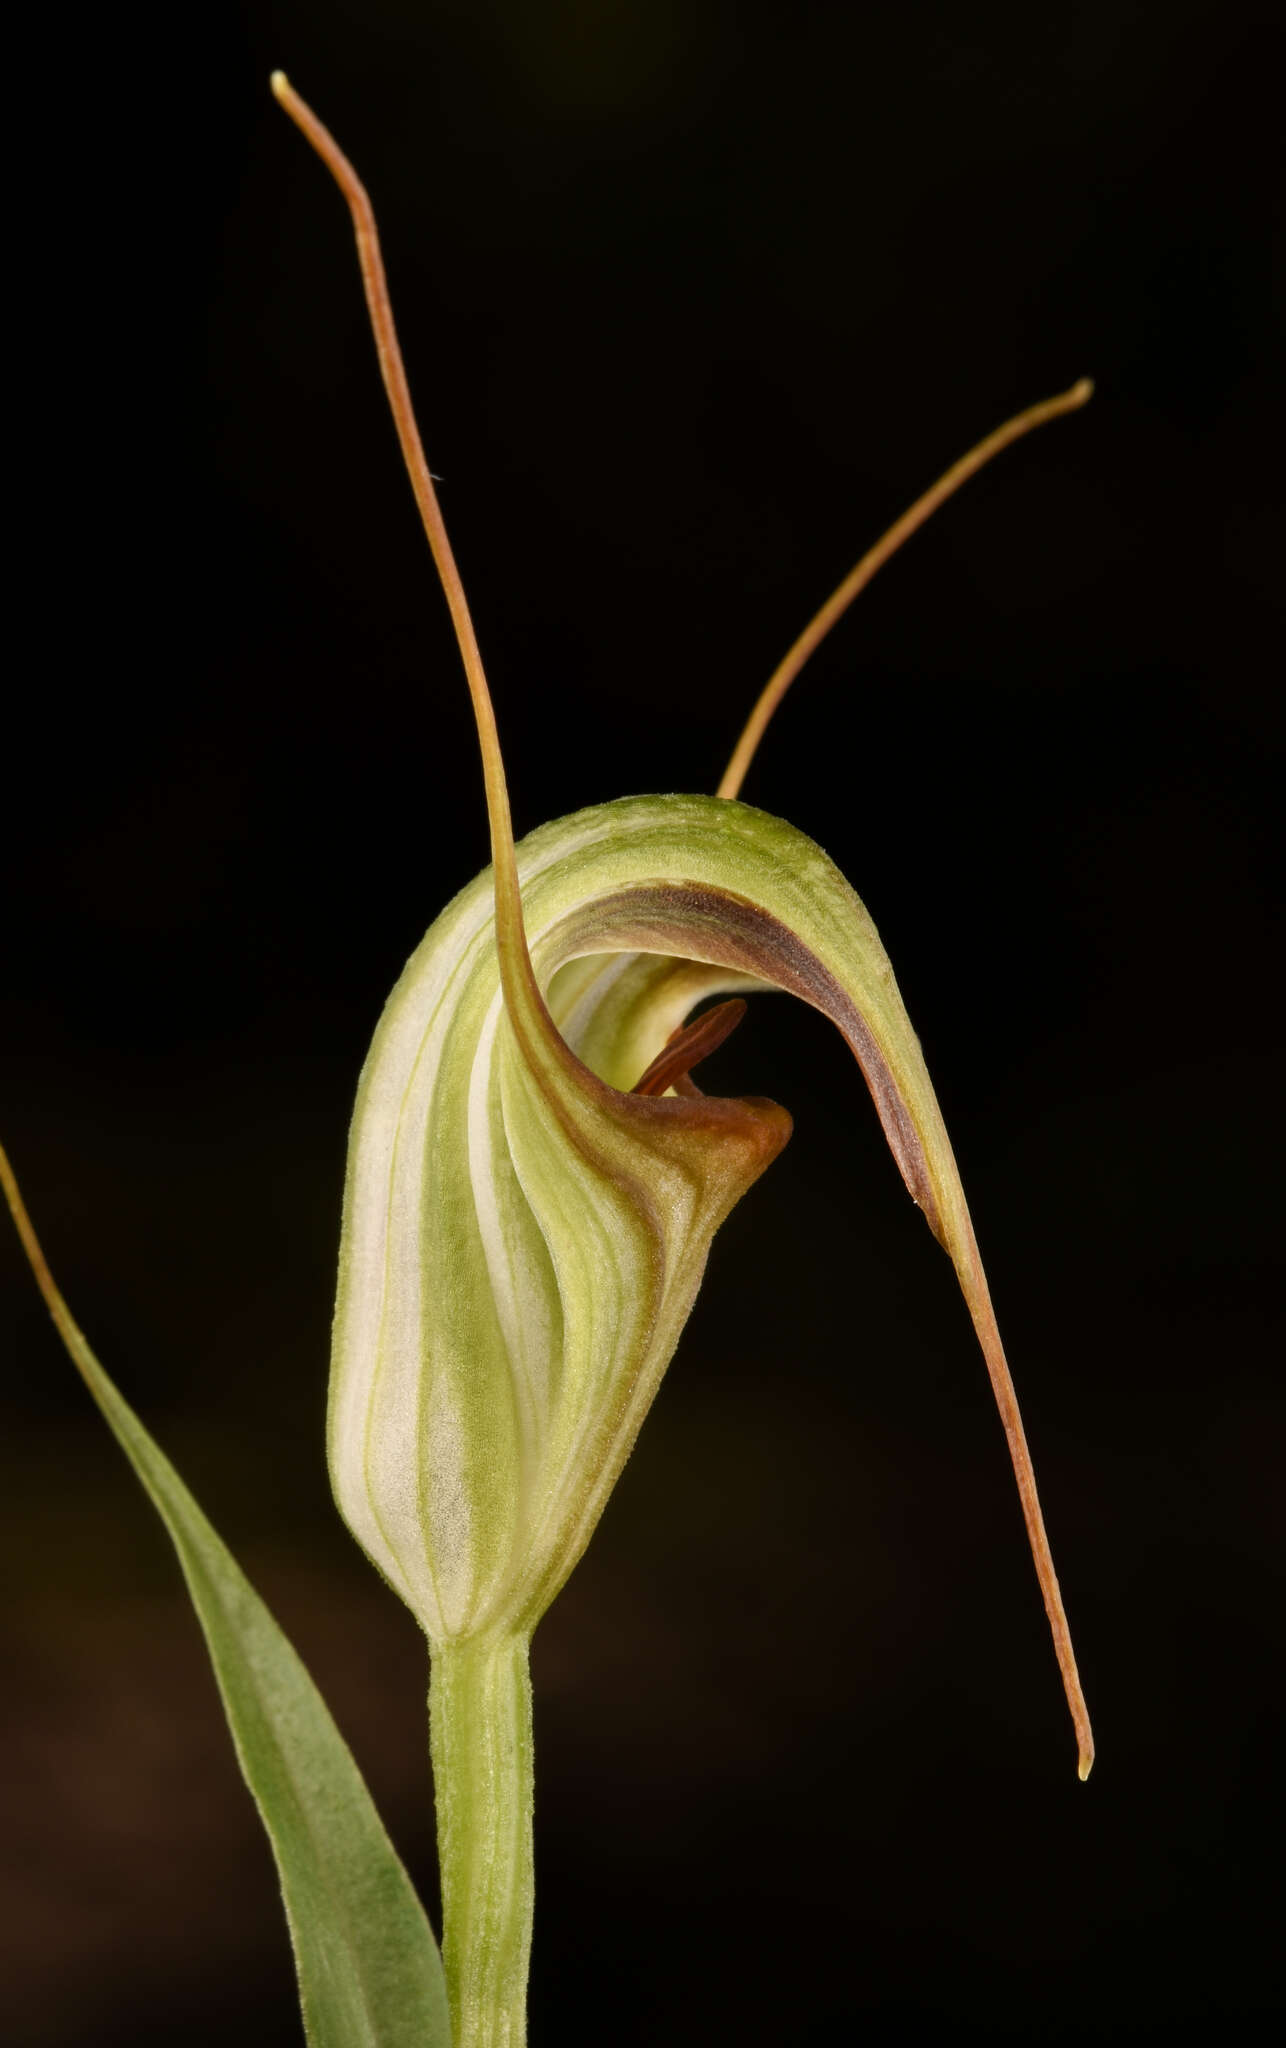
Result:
<point x="688" y="1046"/>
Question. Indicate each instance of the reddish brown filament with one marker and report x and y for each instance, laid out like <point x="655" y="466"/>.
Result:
<point x="688" y="1045"/>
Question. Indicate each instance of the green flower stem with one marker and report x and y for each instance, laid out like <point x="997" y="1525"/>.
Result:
<point x="481" y="1744"/>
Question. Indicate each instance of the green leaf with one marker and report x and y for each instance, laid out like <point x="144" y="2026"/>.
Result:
<point x="369" y="1971"/>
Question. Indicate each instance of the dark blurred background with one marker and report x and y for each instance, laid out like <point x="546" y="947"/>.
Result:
<point x="695" y="296"/>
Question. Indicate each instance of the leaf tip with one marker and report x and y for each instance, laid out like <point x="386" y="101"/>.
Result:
<point x="31" y="1246"/>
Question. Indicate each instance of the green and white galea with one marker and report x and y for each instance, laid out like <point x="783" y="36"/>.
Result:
<point x="534" y="1181"/>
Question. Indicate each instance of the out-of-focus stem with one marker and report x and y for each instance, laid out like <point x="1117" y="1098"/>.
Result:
<point x="481" y="1744"/>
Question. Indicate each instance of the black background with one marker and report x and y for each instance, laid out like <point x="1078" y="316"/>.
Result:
<point x="695" y="297"/>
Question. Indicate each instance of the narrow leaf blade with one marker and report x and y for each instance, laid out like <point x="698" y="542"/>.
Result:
<point x="370" y="1975"/>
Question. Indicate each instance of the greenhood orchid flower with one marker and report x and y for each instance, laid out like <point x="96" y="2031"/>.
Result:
<point x="534" y="1182"/>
